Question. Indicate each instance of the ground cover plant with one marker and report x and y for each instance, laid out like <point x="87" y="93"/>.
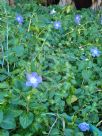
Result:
<point x="50" y="71"/>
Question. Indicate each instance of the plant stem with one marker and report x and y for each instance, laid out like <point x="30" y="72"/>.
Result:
<point x="30" y="22"/>
<point x="7" y="49"/>
<point x="2" y="51"/>
<point x="99" y="123"/>
<point x="8" y="69"/>
<point x="52" y="126"/>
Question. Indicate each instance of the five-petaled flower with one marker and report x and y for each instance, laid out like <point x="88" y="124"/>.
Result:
<point x="57" y="24"/>
<point x="33" y="79"/>
<point x="19" y="19"/>
<point x="95" y="52"/>
<point x="77" y="19"/>
<point x="84" y="126"/>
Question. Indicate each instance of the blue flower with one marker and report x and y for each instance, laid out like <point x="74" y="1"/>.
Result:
<point x="57" y="24"/>
<point x="77" y="19"/>
<point x="95" y="52"/>
<point x="84" y="126"/>
<point x="33" y="79"/>
<point x="19" y="19"/>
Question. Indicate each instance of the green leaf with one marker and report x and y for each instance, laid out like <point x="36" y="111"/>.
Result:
<point x="3" y="85"/>
<point x="1" y="116"/>
<point x="3" y="77"/>
<point x="95" y="131"/>
<point x="71" y="99"/>
<point x="8" y="123"/>
<point x="86" y="74"/>
<point x="79" y="134"/>
<point x="2" y="97"/>
<point x="68" y="132"/>
<point x="16" y="112"/>
<point x="74" y="99"/>
<point x="4" y="133"/>
<point x="19" y="50"/>
<point x="55" y="132"/>
<point x="26" y="119"/>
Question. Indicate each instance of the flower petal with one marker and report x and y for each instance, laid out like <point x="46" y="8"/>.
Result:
<point x="39" y="79"/>
<point x="28" y="83"/>
<point x="35" y="85"/>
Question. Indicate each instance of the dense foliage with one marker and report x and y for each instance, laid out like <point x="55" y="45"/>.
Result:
<point x="69" y="60"/>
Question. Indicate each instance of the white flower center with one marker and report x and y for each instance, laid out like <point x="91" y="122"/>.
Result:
<point x="18" y="18"/>
<point x="33" y="80"/>
<point x="95" y="51"/>
<point x="57" y="25"/>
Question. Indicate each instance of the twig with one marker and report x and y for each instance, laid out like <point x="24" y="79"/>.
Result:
<point x="30" y="22"/>
<point x="63" y="122"/>
<point x="6" y="37"/>
<point x="52" y="114"/>
<point x="2" y="52"/>
<point x="99" y="123"/>
<point x="52" y="127"/>
<point x="7" y="49"/>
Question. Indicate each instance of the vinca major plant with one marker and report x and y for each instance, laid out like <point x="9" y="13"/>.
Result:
<point x="50" y="71"/>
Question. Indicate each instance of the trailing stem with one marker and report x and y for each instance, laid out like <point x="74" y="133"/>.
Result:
<point x="7" y="48"/>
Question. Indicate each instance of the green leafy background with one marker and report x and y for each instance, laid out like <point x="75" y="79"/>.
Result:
<point x="71" y="90"/>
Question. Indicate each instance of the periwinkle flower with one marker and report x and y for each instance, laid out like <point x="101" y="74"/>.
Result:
<point x="84" y="126"/>
<point x="77" y="19"/>
<point x="19" y="19"/>
<point x="57" y="24"/>
<point x="33" y="79"/>
<point x="95" y="52"/>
